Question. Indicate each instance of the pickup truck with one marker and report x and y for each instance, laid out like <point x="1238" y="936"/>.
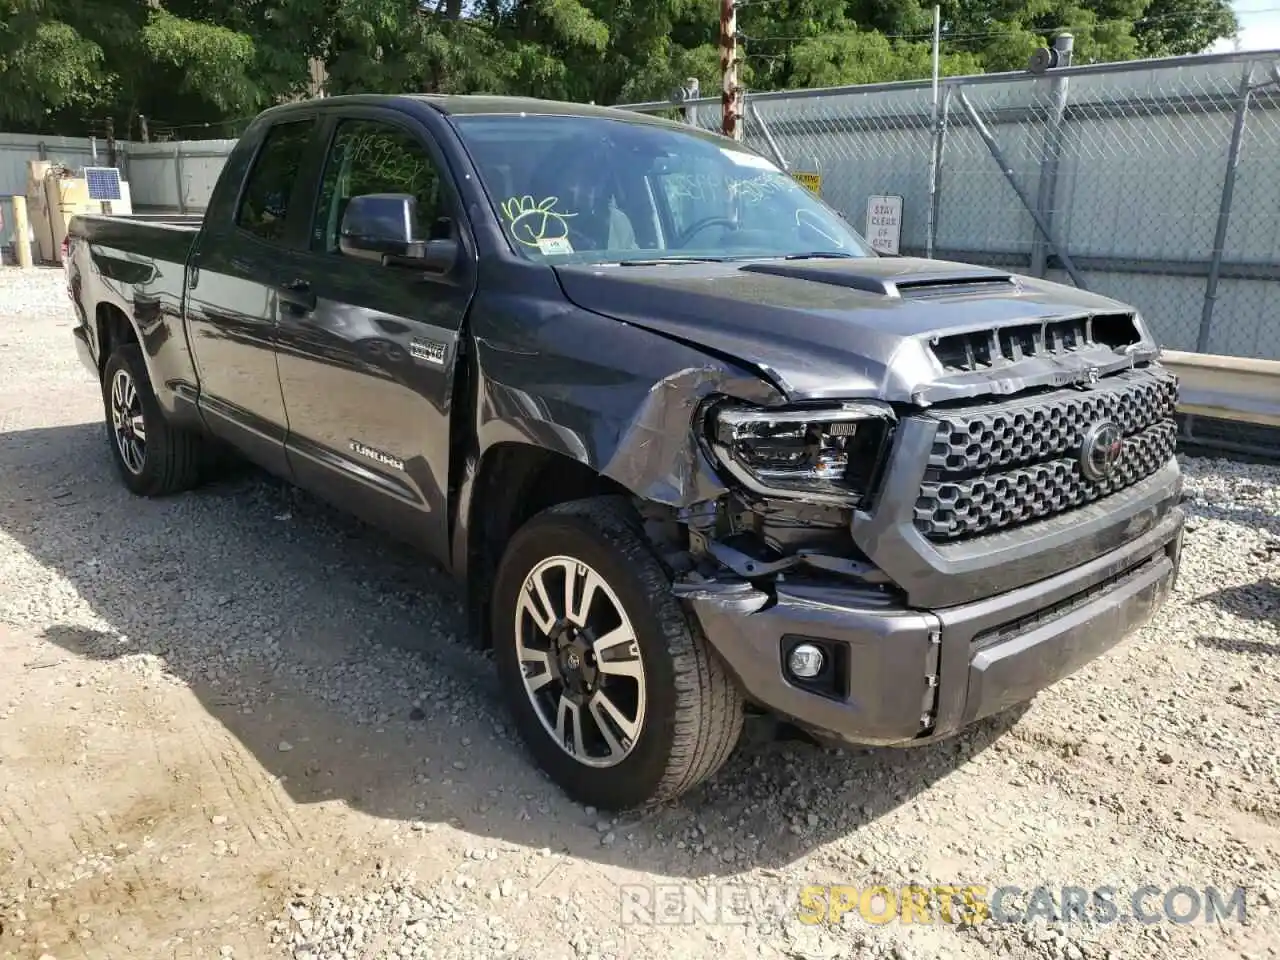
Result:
<point x="693" y="447"/>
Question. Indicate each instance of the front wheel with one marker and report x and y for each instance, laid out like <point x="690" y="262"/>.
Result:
<point x="612" y="686"/>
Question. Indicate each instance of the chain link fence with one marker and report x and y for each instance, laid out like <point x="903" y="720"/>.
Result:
<point x="1154" y="182"/>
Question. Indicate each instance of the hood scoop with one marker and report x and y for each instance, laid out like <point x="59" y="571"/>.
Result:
<point x="870" y="276"/>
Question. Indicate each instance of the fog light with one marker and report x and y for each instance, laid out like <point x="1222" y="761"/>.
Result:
<point x="805" y="661"/>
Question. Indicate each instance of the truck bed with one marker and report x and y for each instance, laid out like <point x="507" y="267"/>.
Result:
<point x="139" y="266"/>
<point x="165" y="217"/>
<point x="147" y="229"/>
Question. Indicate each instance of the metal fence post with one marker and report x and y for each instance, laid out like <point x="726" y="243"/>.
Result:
<point x="935" y="171"/>
<point x="1047" y="193"/>
<point x="754" y="114"/>
<point x="177" y="173"/>
<point x="998" y="155"/>
<point x="682" y="97"/>
<point x="1224" y="211"/>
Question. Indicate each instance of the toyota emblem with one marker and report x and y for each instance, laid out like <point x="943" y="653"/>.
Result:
<point x="1100" y="453"/>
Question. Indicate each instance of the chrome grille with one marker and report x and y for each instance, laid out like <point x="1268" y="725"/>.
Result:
<point x="1002" y="464"/>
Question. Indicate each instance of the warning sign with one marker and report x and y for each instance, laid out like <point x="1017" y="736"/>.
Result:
<point x="811" y="181"/>
<point x="884" y="223"/>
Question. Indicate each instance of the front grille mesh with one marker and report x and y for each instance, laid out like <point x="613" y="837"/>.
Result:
<point x="1003" y="464"/>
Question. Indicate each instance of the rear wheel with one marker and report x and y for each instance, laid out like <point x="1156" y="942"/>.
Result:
<point x="154" y="458"/>
<point x="612" y="686"/>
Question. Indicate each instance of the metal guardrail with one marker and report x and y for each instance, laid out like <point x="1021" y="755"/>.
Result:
<point x="1230" y="404"/>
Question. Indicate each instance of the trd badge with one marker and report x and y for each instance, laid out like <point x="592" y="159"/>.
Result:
<point x="429" y="351"/>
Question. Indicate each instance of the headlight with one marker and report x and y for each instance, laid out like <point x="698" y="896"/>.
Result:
<point x="827" y="455"/>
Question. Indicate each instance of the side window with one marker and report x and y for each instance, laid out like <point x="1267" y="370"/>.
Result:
<point x="265" y="204"/>
<point x="368" y="156"/>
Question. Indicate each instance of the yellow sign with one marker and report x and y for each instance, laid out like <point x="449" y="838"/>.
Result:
<point x="812" y="181"/>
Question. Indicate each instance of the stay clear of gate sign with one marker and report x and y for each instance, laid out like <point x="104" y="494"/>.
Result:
<point x="884" y="223"/>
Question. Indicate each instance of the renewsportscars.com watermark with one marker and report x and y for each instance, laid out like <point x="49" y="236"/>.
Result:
<point x="737" y="903"/>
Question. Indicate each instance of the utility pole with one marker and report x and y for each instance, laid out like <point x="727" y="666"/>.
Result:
<point x="730" y="103"/>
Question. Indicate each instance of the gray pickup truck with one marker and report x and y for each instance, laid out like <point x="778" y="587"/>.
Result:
<point x="693" y="447"/>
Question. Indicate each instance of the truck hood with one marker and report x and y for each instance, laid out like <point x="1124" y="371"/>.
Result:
<point x="875" y="327"/>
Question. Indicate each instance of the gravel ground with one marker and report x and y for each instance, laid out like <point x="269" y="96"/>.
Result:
<point x="235" y="723"/>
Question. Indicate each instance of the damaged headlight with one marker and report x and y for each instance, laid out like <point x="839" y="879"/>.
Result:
<point x="828" y="455"/>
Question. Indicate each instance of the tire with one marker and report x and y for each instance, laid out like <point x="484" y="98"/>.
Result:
<point x="684" y="709"/>
<point x="168" y="460"/>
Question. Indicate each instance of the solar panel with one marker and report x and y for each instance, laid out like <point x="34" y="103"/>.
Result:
<point x="103" y="183"/>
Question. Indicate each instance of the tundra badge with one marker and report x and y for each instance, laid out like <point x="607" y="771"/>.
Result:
<point x="376" y="455"/>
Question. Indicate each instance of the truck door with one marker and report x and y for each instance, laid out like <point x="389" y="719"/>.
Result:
<point x="367" y="352"/>
<point x="233" y="294"/>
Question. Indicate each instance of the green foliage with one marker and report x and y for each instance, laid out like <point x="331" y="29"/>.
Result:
<point x="212" y="61"/>
<point x="1173" y="27"/>
<point x="65" y="64"/>
<point x="46" y="65"/>
<point x="865" y="57"/>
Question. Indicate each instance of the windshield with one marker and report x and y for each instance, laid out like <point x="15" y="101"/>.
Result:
<point x="593" y="189"/>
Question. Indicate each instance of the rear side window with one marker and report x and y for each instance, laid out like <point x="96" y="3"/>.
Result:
<point x="264" y="208"/>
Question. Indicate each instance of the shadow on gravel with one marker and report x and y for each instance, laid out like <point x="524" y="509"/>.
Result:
<point x="1245" y="647"/>
<point x="1247" y="509"/>
<point x="1251" y="601"/>
<point x="337" y="658"/>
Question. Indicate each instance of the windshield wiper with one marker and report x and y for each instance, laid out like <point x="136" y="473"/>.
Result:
<point x="658" y="260"/>
<point x="819" y="255"/>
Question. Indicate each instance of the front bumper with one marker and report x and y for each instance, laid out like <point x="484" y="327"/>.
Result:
<point x="908" y="677"/>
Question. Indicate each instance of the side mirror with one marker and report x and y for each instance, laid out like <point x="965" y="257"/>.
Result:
<point x="382" y="227"/>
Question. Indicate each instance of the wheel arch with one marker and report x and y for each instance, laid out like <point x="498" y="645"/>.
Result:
<point x="512" y="482"/>
<point x="112" y="327"/>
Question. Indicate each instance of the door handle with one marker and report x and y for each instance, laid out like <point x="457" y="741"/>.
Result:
<point x="297" y="296"/>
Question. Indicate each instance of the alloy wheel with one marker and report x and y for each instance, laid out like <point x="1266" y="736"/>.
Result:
<point x="127" y="423"/>
<point x="580" y="661"/>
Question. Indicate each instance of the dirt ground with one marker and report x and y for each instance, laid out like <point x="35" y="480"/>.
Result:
<point x="235" y="723"/>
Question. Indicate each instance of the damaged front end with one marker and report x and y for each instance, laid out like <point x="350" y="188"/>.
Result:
<point x="779" y="542"/>
<point x="938" y="562"/>
<point x="756" y="487"/>
<point x="797" y="475"/>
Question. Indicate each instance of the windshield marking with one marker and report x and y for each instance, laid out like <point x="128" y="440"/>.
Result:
<point x="709" y="187"/>
<point x="535" y="223"/>
<point x="756" y="188"/>
<point x="807" y="218"/>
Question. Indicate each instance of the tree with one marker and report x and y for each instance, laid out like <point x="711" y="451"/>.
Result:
<point x="1004" y="33"/>
<point x="65" y="61"/>
<point x="816" y="43"/>
<point x="46" y="66"/>
<point x="1175" y="27"/>
<point x="193" y="62"/>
